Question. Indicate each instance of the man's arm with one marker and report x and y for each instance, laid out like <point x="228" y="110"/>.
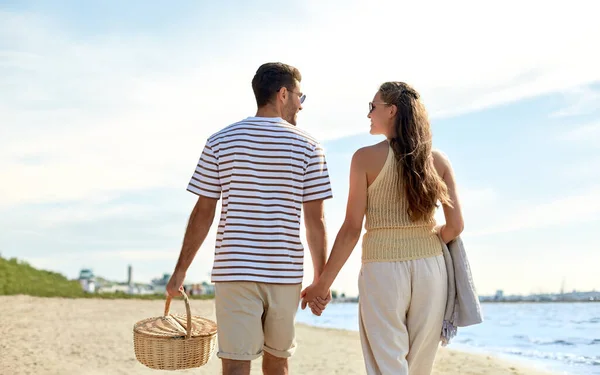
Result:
<point x="198" y="226"/>
<point x="348" y="235"/>
<point x="316" y="189"/>
<point x="316" y="234"/>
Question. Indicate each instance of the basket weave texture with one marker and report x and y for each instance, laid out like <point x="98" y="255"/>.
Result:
<point x="174" y="342"/>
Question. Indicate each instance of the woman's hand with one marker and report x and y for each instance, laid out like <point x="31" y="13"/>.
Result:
<point x="316" y="296"/>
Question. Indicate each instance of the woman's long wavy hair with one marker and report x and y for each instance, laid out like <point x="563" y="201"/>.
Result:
<point x="412" y="149"/>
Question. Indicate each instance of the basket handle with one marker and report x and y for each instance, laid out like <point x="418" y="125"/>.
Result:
<point x="188" y="311"/>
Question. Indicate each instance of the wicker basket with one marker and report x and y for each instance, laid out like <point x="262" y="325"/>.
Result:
<point x="174" y="342"/>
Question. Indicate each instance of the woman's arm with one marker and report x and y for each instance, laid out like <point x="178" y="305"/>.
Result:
<point x="349" y="233"/>
<point x="453" y="214"/>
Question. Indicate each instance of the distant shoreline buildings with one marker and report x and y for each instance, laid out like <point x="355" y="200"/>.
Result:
<point x="499" y="297"/>
<point x="573" y="296"/>
<point x="91" y="283"/>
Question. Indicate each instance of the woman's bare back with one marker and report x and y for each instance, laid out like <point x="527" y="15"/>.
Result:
<point x="372" y="159"/>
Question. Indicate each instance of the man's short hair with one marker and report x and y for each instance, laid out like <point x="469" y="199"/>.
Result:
<point x="270" y="78"/>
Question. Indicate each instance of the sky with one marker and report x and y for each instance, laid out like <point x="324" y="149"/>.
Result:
<point x="105" y="109"/>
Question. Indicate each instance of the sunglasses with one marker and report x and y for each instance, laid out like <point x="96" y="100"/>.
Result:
<point x="301" y="96"/>
<point x="372" y="105"/>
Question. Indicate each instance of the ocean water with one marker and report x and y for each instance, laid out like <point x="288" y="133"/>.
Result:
<point x="560" y="337"/>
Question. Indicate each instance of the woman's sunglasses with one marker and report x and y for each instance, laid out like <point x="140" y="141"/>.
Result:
<point x="372" y="105"/>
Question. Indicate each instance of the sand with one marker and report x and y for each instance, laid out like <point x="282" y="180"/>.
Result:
<point x="93" y="336"/>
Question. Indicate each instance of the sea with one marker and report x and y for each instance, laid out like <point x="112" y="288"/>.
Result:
<point x="561" y="338"/>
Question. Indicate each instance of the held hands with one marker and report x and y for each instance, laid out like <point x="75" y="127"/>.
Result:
<point x="316" y="296"/>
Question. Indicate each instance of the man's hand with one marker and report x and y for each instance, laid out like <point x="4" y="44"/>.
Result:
<point x="175" y="285"/>
<point x="316" y="296"/>
<point x="200" y="221"/>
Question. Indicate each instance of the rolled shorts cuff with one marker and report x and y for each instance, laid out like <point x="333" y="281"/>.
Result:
<point x="280" y="353"/>
<point x="239" y="357"/>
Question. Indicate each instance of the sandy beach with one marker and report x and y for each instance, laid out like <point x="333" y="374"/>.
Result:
<point x="93" y="337"/>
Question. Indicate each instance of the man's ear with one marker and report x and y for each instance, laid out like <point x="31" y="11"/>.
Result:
<point x="283" y="93"/>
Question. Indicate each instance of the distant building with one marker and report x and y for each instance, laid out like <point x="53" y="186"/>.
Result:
<point x="130" y="276"/>
<point x="499" y="295"/>
<point x="199" y="289"/>
<point x="160" y="284"/>
<point x="87" y="280"/>
<point x="86" y="274"/>
<point x="208" y="288"/>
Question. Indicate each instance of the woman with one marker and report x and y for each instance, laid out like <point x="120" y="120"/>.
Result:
<point x="396" y="185"/>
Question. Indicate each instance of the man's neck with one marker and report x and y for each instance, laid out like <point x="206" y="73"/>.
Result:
<point x="268" y="111"/>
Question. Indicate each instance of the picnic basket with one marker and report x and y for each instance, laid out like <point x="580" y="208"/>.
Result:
<point x="174" y="342"/>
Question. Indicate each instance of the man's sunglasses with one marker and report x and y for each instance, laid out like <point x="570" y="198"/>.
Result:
<point x="301" y="96"/>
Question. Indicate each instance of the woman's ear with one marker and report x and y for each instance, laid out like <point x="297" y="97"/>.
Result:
<point x="393" y="110"/>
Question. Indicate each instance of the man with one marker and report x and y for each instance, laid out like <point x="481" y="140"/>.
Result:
<point x="267" y="171"/>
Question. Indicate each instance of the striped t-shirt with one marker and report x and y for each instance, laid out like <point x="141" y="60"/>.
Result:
<point x="264" y="168"/>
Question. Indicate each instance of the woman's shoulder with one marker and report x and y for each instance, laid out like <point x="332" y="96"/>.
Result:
<point x="367" y="158"/>
<point x="440" y="161"/>
<point x="371" y="151"/>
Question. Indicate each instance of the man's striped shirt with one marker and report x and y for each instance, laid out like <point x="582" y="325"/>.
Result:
<point x="264" y="168"/>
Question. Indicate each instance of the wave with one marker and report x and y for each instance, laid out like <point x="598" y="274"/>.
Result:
<point x="563" y="357"/>
<point x="558" y="342"/>
<point x="553" y="342"/>
<point x="589" y="321"/>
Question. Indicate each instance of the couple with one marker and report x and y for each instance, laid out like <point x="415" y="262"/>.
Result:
<point x="267" y="172"/>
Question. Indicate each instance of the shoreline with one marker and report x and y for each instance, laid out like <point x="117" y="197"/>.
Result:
<point x="505" y="364"/>
<point x="531" y="340"/>
<point x="92" y="337"/>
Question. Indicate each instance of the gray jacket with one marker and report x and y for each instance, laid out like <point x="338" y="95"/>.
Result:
<point x="462" y="306"/>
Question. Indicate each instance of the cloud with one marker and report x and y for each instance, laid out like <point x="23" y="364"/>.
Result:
<point x="580" y="101"/>
<point x="475" y="202"/>
<point x="111" y="262"/>
<point x="575" y="208"/>
<point x="584" y="133"/>
<point x="117" y="112"/>
<point x="587" y="170"/>
<point x="89" y="117"/>
<point x="476" y="197"/>
<point x="461" y="56"/>
<point x="82" y="119"/>
<point x="86" y="212"/>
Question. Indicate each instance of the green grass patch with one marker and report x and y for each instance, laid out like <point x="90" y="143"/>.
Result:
<point x="18" y="277"/>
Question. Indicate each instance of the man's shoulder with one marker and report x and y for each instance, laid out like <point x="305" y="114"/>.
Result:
<point x="226" y="129"/>
<point x="309" y="137"/>
<point x="253" y="126"/>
